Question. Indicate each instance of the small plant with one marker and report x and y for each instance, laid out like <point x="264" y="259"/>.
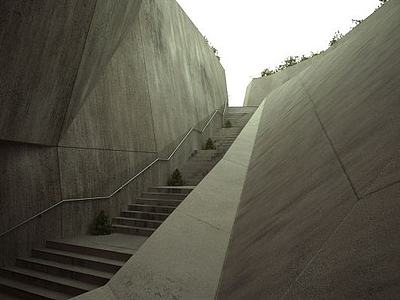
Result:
<point x="228" y="124"/>
<point x="357" y="22"/>
<point x="213" y="49"/>
<point x="176" y="178"/>
<point x="336" y="37"/>
<point x="210" y="145"/>
<point x="267" y="72"/>
<point x="101" y="225"/>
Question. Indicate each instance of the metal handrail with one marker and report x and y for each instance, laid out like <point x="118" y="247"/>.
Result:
<point x="217" y="111"/>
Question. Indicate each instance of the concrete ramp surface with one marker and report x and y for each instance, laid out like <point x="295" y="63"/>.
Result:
<point x="319" y="212"/>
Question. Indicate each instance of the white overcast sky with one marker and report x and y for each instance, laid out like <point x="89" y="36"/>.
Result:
<point x="251" y="35"/>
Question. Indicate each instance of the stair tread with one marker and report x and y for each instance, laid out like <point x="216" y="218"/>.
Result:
<point x="53" y="278"/>
<point x="68" y="267"/>
<point x="148" y="205"/>
<point x="180" y="187"/>
<point x="33" y="289"/>
<point x="8" y="297"/>
<point x="165" y="193"/>
<point x="100" y="247"/>
<point x="134" y="227"/>
<point x="82" y="256"/>
<point x="146" y="212"/>
<point x="137" y="219"/>
<point x="156" y="199"/>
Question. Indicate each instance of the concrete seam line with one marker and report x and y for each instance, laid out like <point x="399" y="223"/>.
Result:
<point x="261" y="107"/>
<point x="328" y="138"/>
<point x="319" y="250"/>
<point x="344" y="218"/>
<point x="147" y="82"/>
<point x="380" y="189"/>
<point x="107" y="149"/>
<point x="76" y="75"/>
<point x="200" y="220"/>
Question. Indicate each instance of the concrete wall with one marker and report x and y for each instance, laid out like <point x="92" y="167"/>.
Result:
<point x="259" y="88"/>
<point x="101" y="88"/>
<point x="318" y="217"/>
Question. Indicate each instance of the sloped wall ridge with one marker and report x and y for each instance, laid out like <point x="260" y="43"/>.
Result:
<point x="318" y="216"/>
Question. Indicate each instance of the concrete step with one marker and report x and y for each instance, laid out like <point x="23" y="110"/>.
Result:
<point x="168" y="196"/>
<point x="196" y="182"/>
<point x="151" y="208"/>
<point x="29" y="291"/>
<point x="92" y="250"/>
<point x="65" y="270"/>
<point x="144" y="215"/>
<point x="199" y="174"/>
<point x="223" y="143"/>
<point x="238" y="122"/>
<point x="204" y="160"/>
<point x="4" y="296"/>
<point x="154" y="201"/>
<point x="199" y="164"/>
<point x="205" y="152"/>
<point x="136" y="222"/>
<point x="132" y="230"/>
<point x="231" y="131"/>
<point x="49" y="281"/>
<point x="236" y="115"/>
<point x="228" y="138"/>
<point x="172" y="189"/>
<point x="187" y="172"/>
<point x="241" y="109"/>
<point x="86" y="261"/>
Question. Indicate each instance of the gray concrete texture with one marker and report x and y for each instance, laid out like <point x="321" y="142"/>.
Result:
<point x="183" y="258"/>
<point x="318" y="216"/>
<point x="103" y="88"/>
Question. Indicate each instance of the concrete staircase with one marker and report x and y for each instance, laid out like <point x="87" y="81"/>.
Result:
<point x="67" y="268"/>
<point x="149" y="211"/>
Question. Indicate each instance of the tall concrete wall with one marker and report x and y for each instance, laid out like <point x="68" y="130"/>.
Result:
<point x="319" y="212"/>
<point x="103" y="88"/>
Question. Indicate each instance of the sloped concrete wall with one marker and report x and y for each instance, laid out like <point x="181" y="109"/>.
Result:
<point x="89" y="84"/>
<point x="259" y="88"/>
<point x="318" y="217"/>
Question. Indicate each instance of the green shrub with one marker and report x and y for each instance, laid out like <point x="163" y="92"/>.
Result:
<point x="210" y="145"/>
<point x="101" y="225"/>
<point x="267" y="72"/>
<point x="228" y="124"/>
<point x="176" y="178"/>
<point x="336" y="37"/>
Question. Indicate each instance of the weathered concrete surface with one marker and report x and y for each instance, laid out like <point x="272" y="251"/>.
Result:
<point x="185" y="80"/>
<point x="318" y="217"/>
<point x="109" y="27"/>
<point x="89" y="78"/>
<point x="22" y="191"/>
<point x="184" y="257"/>
<point x="361" y="259"/>
<point x="40" y="51"/>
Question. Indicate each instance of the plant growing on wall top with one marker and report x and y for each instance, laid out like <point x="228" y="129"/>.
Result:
<point x="101" y="225"/>
<point x="176" y="178"/>
<point x="213" y="49"/>
<point x="336" y="37"/>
